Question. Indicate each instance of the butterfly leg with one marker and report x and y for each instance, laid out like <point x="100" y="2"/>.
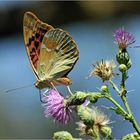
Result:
<point x="69" y="90"/>
<point x="54" y="86"/>
<point x="40" y="96"/>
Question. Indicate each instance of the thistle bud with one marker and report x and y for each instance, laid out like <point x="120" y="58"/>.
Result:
<point x="62" y="135"/>
<point x="106" y="131"/>
<point x="93" y="98"/>
<point x="131" y="136"/>
<point x="77" y="99"/>
<point x="123" y="58"/>
<point x="129" y="64"/>
<point x="85" y="114"/>
<point x="123" y="68"/>
<point x="104" y="88"/>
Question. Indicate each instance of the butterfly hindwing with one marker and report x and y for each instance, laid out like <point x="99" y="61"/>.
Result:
<point x="58" y="55"/>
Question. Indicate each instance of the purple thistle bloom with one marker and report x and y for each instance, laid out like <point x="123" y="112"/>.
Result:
<point x="55" y="106"/>
<point x="123" y="38"/>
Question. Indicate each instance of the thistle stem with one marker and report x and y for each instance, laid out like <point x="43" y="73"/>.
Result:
<point x="126" y="104"/>
<point x="117" y="105"/>
<point x="115" y="87"/>
<point x="122" y="93"/>
<point x="96" y="133"/>
<point x="110" y="98"/>
<point x="123" y="97"/>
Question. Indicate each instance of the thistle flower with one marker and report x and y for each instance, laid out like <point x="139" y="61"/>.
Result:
<point x="100" y="122"/>
<point x="55" y="106"/>
<point x="100" y="118"/>
<point x="123" y="38"/>
<point x="84" y="129"/>
<point x="104" y="70"/>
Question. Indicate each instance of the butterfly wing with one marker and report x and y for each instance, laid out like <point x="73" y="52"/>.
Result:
<point x="58" y="55"/>
<point x="34" y="31"/>
<point x="52" y="52"/>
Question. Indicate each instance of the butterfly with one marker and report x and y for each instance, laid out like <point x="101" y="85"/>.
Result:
<point x="51" y="51"/>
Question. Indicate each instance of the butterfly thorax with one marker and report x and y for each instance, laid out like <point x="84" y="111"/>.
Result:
<point x="42" y="84"/>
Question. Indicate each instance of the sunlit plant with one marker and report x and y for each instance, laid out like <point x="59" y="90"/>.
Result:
<point x="92" y="121"/>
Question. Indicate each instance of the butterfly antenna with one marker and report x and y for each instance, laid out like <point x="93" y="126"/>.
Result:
<point x="68" y="87"/>
<point x="13" y="89"/>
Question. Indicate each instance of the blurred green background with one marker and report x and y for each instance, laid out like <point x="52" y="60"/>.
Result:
<point x="91" y="25"/>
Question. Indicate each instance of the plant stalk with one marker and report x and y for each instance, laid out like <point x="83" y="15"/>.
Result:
<point x="123" y="97"/>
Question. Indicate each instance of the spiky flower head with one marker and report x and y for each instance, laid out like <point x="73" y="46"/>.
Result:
<point x="100" y="118"/>
<point x="84" y="129"/>
<point x="123" y="38"/>
<point x="55" y="106"/>
<point x="100" y="122"/>
<point x="104" y="70"/>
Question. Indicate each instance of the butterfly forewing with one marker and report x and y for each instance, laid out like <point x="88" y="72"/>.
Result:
<point x="34" y="31"/>
<point x="58" y="55"/>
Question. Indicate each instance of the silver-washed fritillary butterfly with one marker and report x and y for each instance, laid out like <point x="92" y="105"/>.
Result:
<point x="52" y="52"/>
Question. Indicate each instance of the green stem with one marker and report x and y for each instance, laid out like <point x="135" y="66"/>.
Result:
<point x="127" y="116"/>
<point x="126" y="104"/>
<point x="109" y="97"/>
<point x="123" y="88"/>
<point x="96" y="133"/>
<point x="135" y="125"/>
<point x="123" y="97"/>
<point x="124" y="91"/>
<point x="115" y="87"/>
<point x="118" y="106"/>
